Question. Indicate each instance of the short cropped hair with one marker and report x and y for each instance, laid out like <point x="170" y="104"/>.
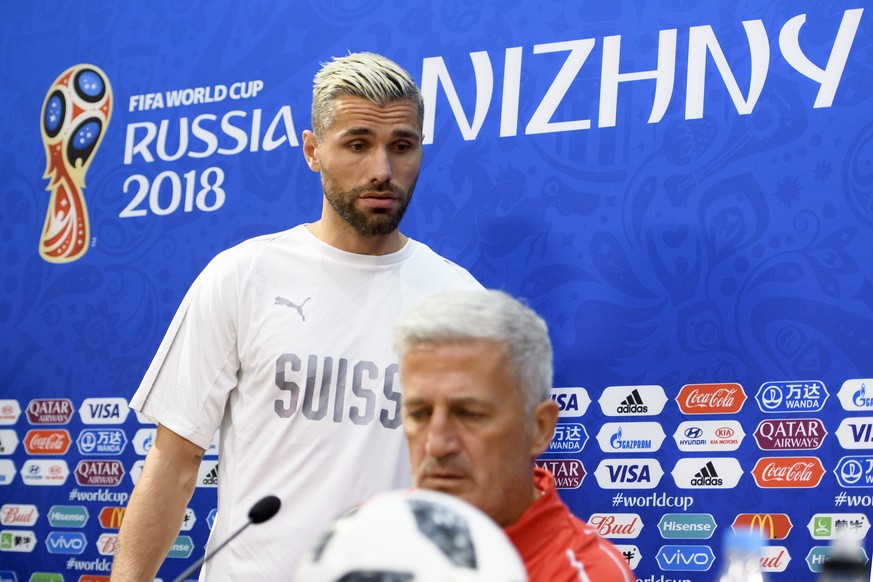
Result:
<point x="468" y="316"/>
<point x="367" y="75"/>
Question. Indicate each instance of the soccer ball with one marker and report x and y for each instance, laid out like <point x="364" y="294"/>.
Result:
<point x="412" y="536"/>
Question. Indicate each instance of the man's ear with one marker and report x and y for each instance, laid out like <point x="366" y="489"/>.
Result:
<point x="310" y="150"/>
<point x="545" y="416"/>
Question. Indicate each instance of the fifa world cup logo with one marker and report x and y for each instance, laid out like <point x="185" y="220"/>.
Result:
<point x="75" y="115"/>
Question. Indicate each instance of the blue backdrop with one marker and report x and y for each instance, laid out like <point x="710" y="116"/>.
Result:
<point x="684" y="190"/>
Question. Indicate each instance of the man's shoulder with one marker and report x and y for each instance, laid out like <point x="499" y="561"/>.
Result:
<point x="439" y="265"/>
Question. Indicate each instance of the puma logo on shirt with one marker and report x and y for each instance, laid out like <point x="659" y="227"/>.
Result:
<point x="291" y="304"/>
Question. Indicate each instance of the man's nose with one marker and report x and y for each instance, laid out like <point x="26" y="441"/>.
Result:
<point x="442" y="438"/>
<point x="380" y="166"/>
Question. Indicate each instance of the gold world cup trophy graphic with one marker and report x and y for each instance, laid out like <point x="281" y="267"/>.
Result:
<point x="75" y="115"/>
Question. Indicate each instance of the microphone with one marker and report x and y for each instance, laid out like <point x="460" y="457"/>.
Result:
<point x="260" y="512"/>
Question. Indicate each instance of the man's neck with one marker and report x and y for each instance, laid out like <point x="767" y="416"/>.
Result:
<point x="344" y="238"/>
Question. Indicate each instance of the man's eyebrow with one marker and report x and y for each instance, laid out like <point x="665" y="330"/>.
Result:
<point x="366" y="131"/>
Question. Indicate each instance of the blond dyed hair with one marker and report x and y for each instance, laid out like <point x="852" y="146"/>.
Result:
<point x="367" y="75"/>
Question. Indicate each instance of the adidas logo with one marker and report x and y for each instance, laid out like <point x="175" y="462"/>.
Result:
<point x="707" y="476"/>
<point x="211" y="478"/>
<point x="633" y="404"/>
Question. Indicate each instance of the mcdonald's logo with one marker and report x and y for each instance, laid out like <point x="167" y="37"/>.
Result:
<point x="772" y="526"/>
<point x="110" y="517"/>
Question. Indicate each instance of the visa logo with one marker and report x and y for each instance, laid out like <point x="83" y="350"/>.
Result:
<point x="572" y="402"/>
<point x="68" y="543"/>
<point x="103" y="410"/>
<point x="629" y="473"/>
<point x="685" y="558"/>
<point x="862" y="433"/>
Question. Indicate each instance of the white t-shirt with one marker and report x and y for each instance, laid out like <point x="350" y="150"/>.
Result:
<point x="285" y="344"/>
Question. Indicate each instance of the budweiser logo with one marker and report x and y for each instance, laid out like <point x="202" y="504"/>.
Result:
<point x="20" y="515"/>
<point x="711" y="398"/>
<point x="788" y="472"/>
<point x="611" y="525"/>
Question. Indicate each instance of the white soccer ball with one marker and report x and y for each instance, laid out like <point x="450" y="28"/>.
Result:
<point x="412" y="536"/>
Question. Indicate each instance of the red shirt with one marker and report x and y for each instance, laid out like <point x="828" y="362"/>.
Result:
<point x="556" y="546"/>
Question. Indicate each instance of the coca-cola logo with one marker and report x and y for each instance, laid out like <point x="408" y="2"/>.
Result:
<point x="99" y="473"/>
<point x="47" y="442"/>
<point x="788" y="472"/>
<point x="711" y="398"/>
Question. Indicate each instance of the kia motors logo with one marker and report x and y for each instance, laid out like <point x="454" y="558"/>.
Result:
<point x="52" y="472"/>
<point x="572" y="402"/>
<point x="616" y="525"/>
<point x="792" y="396"/>
<point x="711" y="398"/>
<point x="91" y="473"/>
<point x="9" y="411"/>
<point x="855" y="471"/>
<point x="568" y="473"/>
<point x="49" y="411"/>
<point x="47" y="442"/>
<point x="18" y="514"/>
<point x="790" y="434"/>
<point x="788" y="472"/>
<point x="709" y="435"/>
<point x="771" y="526"/>
<point x="628" y="473"/>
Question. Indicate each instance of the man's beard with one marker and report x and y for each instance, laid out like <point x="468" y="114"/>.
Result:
<point x="372" y="221"/>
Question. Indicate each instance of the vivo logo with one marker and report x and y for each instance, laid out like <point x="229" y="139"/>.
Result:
<point x="67" y="543"/>
<point x="686" y="558"/>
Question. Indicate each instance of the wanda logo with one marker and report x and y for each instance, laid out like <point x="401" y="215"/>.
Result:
<point x="711" y="398"/>
<point x="788" y="472"/>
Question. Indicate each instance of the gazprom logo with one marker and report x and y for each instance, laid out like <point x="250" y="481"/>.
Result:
<point x="792" y="396"/>
<point x="856" y="394"/>
<point x="685" y="558"/>
<point x="65" y="542"/>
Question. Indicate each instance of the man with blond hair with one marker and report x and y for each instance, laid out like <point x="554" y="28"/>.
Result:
<point x="284" y="344"/>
